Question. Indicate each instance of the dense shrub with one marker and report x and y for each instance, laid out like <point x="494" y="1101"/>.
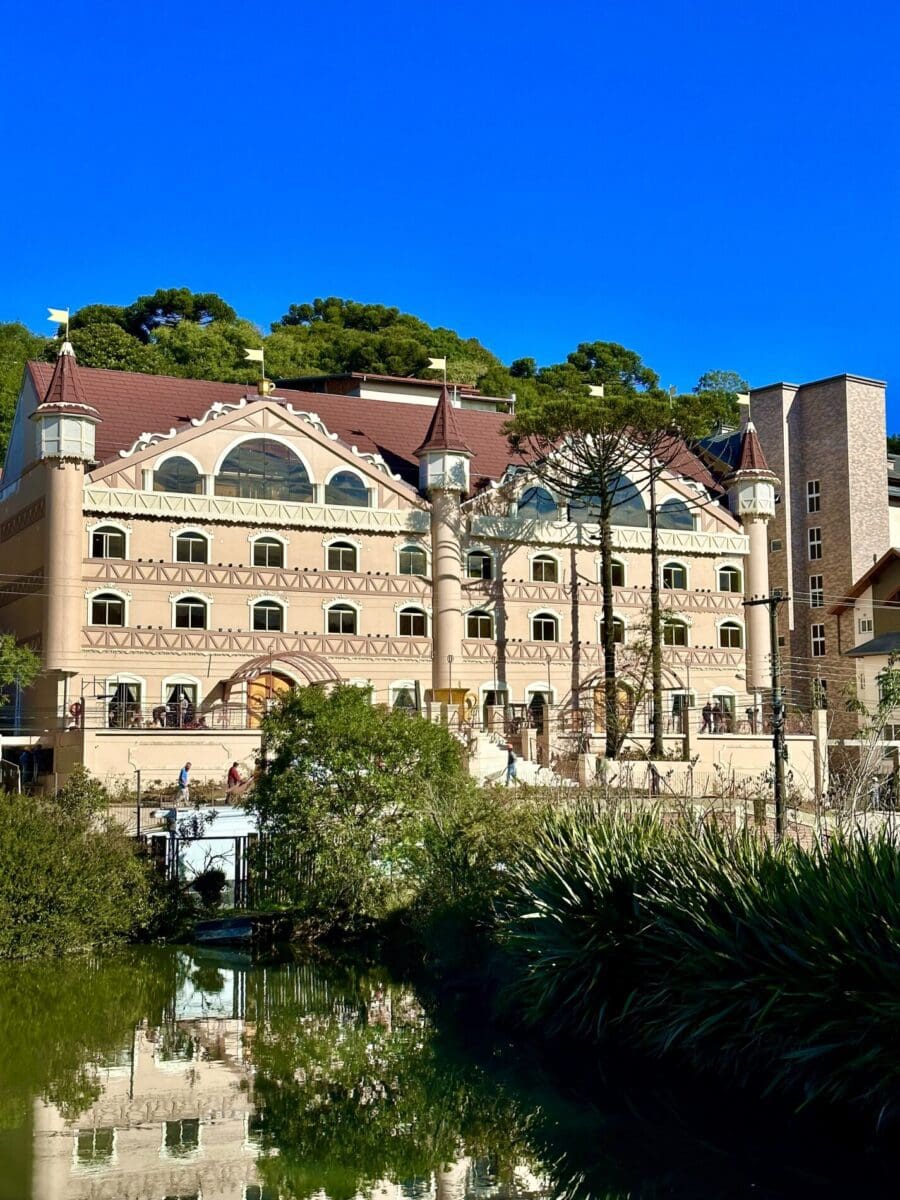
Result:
<point x="778" y="965"/>
<point x="68" y="879"/>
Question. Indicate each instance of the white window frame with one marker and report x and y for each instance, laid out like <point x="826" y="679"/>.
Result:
<point x="672" y="619"/>
<point x="262" y="435"/>
<point x="400" y="685"/>
<point x="539" y="689"/>
<point x="349" y="470"/>
<point x="674" y="562"/>
<point x="729" y="566"/>
<point x="817" y="591"/>
<point x="480" y="610"/>
<point x="341" y="602"/>
<point x="190" y="594"/>
<point x="330" y="542"/>
<point x="418" y="608"/>
<point x="268" y="535"/>
<point x="814" y="543"/>
<point x="813" y="495"/>
<point x="120" y="527"/>
<point x="543" y="613"/>
<point x="617" y="616"/>
<point x="171" y="681"/>
<point x="164" y="458"/>
<point x="480" y="550"/>
<point x="730" y="623"/>
<point x="542" y="555"/>
<point x="125" y="597"/>
<point x="194" y="532"/>
<point x="252" y="602"/>
<point x="817" y="638"/>
<point x="412" y="545"/>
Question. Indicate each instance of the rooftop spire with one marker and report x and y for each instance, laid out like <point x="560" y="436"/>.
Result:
<point x="751" y="457"/>
<point x="444" y="432"/>
<point x="65" y="391"/>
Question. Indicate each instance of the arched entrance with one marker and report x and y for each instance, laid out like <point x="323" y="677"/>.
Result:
<point x="271" y="675"/>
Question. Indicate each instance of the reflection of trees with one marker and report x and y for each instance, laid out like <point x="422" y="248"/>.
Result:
<point x="363" y="1092"/>
<point x="60" y="1021"/>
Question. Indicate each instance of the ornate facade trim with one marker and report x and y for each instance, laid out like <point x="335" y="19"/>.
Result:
<point x="148" y="439"/>
<point x="219" y="409"/>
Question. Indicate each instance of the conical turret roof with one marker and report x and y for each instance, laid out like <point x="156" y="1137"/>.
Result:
<point x="65" y="393"/>
<point x="751" y="457"/>
<point x="444" y="432"/>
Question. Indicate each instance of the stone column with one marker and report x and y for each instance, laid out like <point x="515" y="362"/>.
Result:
<point x="756" y="618"/>
<point x="446" y="560"/>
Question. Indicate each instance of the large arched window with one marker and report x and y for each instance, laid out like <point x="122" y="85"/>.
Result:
<point x="674" y="514"/>
<point x="268" y="615"/>
<point x="191" y="547"/>
<point x="342" y="556"/>
<point x="479" y="565"/>
<point x="412" y="560"/>
<point x="628" y="506"/>
<point x="178" y="475"/>
<point x="346" y="487"/>
<point x="263" y="469"/>
<point x="674" y="576"/>
<point x="674" y="632"/>
<point x="268" y="552"/>
<point x="341" y="618"/>
<point x="108" y="542"/>
<point x="107" y="609"/>
<point x="480" y="625"/>
<point x="731" y="636"/>
<point x="544" y="569"/>
<point x="412" y="622"/>
<point x="729" y="579"/>
<point x="191" y="612"/>
<point x="544" y="628"/>
<point x="537" y="503"/>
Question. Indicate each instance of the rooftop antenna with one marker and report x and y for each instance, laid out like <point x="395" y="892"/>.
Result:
<point x="61" y="317"/>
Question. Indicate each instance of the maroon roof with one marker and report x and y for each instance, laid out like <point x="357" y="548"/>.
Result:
<point x="64" y="392"/>
<point x="131" y="404"/>
<point x="443" y="432"/>
<point x="751" y="457"/>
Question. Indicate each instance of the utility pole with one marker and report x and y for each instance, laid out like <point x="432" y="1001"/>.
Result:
<point x="778" y="713"/>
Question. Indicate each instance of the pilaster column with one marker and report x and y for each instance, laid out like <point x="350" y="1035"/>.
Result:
<point x="446" y="559"/>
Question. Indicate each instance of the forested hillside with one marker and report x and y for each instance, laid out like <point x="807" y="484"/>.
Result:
<point x="200" y="336"/>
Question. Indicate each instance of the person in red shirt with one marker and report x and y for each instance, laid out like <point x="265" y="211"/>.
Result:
<point x="235" y="779"/>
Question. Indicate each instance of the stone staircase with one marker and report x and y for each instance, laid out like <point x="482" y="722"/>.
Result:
<point x="487" y="763"/>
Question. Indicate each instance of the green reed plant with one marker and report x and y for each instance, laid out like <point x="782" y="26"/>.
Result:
<point x="777" y="965"/>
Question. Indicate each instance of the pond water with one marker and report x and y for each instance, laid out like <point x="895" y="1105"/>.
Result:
<point x="181" y="1074"/>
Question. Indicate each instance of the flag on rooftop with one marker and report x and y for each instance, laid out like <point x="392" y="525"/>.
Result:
<point x="253" y="355"/>
<point x="437" y="364"/>
<point x="743" y="398"/>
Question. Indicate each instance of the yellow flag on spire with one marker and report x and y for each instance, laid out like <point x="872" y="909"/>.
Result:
<point x="253" y="355"/>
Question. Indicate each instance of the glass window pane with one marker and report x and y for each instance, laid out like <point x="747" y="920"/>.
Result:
<point x="268" y="552"/>
<point x="178" y="475"/>
<point x="412" y="561"/>
<point x="347" y="488"/>
<point x="263" y="469"/>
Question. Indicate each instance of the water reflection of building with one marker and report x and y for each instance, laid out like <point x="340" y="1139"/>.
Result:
<point x="174" y="1115"/>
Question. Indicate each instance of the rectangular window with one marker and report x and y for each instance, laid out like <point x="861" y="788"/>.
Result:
<point x="813" y="496"/>
<point x="816" y="591"/>
<point x="814" y="541"/>
<point x="865" y="624"/>
<point x="775" y="545"/>
<point x="817" y="637"/>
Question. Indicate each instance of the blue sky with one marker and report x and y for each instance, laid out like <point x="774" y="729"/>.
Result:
<point x="712" y="184"/>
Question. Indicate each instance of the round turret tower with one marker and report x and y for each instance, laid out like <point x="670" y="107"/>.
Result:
<point x="66" y="426"/>
<point x="444" y="476"/>
<point x="751" y="493"/>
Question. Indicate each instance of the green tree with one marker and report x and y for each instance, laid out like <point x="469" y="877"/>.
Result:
<point x="104" y="344"/>
<point x="19" y="664"/>
<point x="171" y="306"/>
<point x="338" y="798"/>
<point x="211" y="351"/>
<point x="721" y="386"/>
<point x="17" y="346"/>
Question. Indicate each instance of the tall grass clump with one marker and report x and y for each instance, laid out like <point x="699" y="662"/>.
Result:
<point x="779" y="966"/>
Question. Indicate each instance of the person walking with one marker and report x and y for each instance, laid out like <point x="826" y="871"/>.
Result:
<point x="706" y="727"/>
<point x="717" y="717"/>
<point x="184" y="784"/>
<point x="510" y="764"/>
<point x="234" y="779"/>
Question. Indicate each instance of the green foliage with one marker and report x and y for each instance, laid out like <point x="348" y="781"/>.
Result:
<point x="169" y="307"/>
<point x="18" y="664"/>
<point x="777" y="965"/>
<point x="209" y="886"/>
<point x="67" y="880"/>
<point x="341" y="789"/>
<point x="108" y="346"/>
<point x="893" y="443"/>
<point x="17" y="346"/>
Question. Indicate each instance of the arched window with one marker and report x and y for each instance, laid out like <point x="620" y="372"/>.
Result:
<point x="479" y="565"/>
<point x="178" y="475"/>
<point x="263" y="469"/>
<point x="107" y="609"/>
<point x="674" y="632"/>
<point x="191" y="612"/>
<point x="107" y="542"/>
<point x="342" y="557"/>
<point x="412" y="560"/>
<point x="544" y="628"/>
<point x="268" y="615"/>
<point x="346" y="487"/>
<point x="674" y="514"/>
<point x="412" y="622"/>
<point x="731" y="636"/>
<point x="618" y="573"/>
<point x="191" y="547"/>
<point x="618" y="631"/>
<point x="480" y="624"/>
<point x="537" y="503"/>
<point x="674" y="575"/>
<point x="729" y="579"/>
<point x="628" y="506"/>
<point x="341" y="618"/>
<point x="544" y="569"/>
<point x="268" y="552"/>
